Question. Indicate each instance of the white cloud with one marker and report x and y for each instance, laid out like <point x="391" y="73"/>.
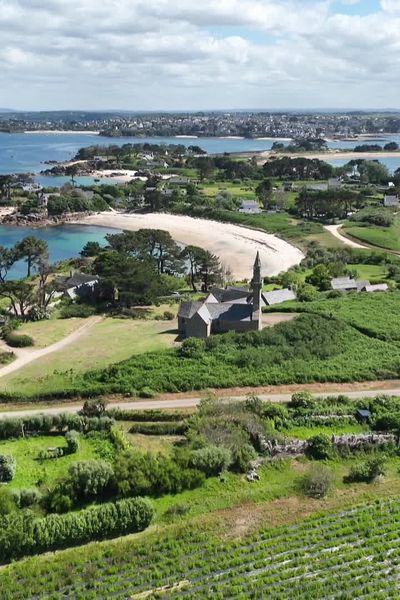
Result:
<point x="190" y="54"/>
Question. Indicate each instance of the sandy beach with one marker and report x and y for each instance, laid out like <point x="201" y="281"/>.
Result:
<point x="330" y="155"/>
<point x="236" y="246"/>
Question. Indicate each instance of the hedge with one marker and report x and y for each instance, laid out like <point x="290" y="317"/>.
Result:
<point x="179" y="428"/>
<point x="23" y="534"/>
<point x="146" y="416"/>
<point x="19" y="341"/>
<point x="45" y="424"/>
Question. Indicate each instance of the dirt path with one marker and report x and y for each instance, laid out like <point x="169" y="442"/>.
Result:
<point x="181" y="401"/>
<point x="335" y="230"/>
<point x="25" y="356"/>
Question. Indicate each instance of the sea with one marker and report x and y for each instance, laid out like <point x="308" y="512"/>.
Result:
<point x="27" y="153"/>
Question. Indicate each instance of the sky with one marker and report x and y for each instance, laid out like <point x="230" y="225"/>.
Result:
<point x="199" y="54"/>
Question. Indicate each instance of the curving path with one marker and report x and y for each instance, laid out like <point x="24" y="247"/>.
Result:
<point x="335" y="230"/>
<point x="25" y="357"/>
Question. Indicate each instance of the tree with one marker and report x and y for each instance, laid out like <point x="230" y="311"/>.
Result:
<point x="391" y="147"/>
<point x="89" y="478"/>
<point x="5" y="186"/>
<point x="264" y="192"/>
<point x="203" y="266"/>
<point x="22" y="296"/>
<point x="72" y="171"/>
<point x="94" y="408"/>
<point x="33" y="250"/>
<point x="320" y="447"/>
<point x="91" y="249"/>
<point x="320" y="278"/>
<point x="7" y="259"/>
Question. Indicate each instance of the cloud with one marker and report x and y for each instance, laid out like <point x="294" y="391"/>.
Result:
<point x="159" y="54"/>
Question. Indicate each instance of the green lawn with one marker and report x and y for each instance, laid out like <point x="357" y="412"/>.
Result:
<point x="383" y="237"/>
<point x="238" y="190"/>
<point x="31" y="472"/>
<point x="107" y="342"/>
<point x="45" y="333"/>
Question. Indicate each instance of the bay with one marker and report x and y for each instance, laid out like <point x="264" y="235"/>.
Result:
<point x="26" y="152"/>
<point x="64" y="241"/>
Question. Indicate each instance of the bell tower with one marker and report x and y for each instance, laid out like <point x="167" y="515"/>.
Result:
<point x="257" y="284"/>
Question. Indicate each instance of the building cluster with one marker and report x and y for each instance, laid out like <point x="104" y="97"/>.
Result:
<point x="238" y="123"/>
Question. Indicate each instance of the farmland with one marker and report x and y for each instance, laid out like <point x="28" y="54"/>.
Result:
<point x="346" y="554"/>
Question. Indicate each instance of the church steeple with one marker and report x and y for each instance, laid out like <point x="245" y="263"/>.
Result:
<point x="257" y="284"/>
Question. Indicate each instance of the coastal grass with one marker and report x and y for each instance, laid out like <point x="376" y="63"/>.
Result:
<point x="383" y="237"/>
<point x="107" y="342"/>
<point x="32" y="472"/>
<point x="376" y="315"/>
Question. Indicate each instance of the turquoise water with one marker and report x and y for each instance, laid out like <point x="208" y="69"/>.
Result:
<point x="65" y="241"/>
<point x="26" y="153"/>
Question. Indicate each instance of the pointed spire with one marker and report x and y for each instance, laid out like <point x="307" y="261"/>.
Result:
<point x="257" y="262"/>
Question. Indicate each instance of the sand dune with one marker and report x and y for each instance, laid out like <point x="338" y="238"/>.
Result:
<point x="236" y="246"/>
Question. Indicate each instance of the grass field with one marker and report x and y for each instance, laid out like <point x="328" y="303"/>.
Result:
<point x="383" y="237"/>
<point x="45" y="333"/>
<point x="31" y="472"/>
<point x="107" y="342"/>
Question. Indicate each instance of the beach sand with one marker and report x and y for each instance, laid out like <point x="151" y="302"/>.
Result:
<point x="331" y="155"/>
<point x="236" y="246"/>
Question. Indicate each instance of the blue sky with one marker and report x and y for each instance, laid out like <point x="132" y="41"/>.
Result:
<point x="186" y="54"/>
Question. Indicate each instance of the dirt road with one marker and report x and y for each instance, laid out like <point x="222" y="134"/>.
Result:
<point x="25" y="356"/>
<point x="335" y="230"/>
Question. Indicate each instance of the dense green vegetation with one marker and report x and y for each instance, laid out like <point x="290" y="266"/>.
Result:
<point x="375" y="315"/>
<point x="383" y="237"/>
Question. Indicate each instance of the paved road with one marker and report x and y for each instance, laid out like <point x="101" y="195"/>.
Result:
<point x="24" y="357"/>
<point x="189" y="402"/>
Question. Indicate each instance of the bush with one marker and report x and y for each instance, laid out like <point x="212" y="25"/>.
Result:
<point x="146" y="392"/>
<point x="366" y="471"/>
<point x="317" y="482"/>
<point x="70" y="311"/>
<point x="19" y="341"/>
<point x="8" y="467"/>
<point x="72" y="439"/>
<point x="21" y="535"/>
<point x="89" y="478"/>
<point x="7" y="502"/>
<point x="212" y="460"/>
<point x="44" y="424"/>
<point x="26" y="497"/>
<point x="146" y="416"/>
<point x="164" y="428"/>
<point x="93" y="408"/>
<point x="301" y="400"/>
<point x="242" y="456"/>
<point x="320" y="447"/>
<point x="168" y="315"/>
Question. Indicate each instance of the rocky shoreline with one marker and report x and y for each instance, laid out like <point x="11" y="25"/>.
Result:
<point x="37" y="221"/>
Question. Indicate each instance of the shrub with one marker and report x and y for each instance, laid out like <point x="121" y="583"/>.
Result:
<point x="168" y="315"/>
<point x="70" y="311"/>
<point x="164" y="428"/>
<point x="89" y="478"/>
<point x="94" y="408"/>
<point x="19" y="341"/>
<point x="26" y="497"/>
<point x="211" y="460"/>
<point x="320" y="447"/>
<point x="8" y="467"/>
<point x="301" y="400"/>
<point x="146" y="392"/>
<point x="26" y="534"/>
<point x="317" y="482"/>
<point x="7" y="502"/>
<point x="242" y="456"/>
<point x="146" y="416"/>
<point x="72" y="439"/>
<point x="366" y="471"/>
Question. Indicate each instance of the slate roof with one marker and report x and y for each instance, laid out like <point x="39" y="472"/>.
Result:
<point x="230" y="311"/>
<point x="278" y="296"/>
<point x="379" y="287"/>
<point x="77" y="279"/>
<point x="229" y="294"/>
<point x="188" y="309"/>
<point x="343" y="283"/>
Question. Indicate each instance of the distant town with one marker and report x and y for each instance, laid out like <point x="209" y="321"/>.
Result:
<point x="247" y="124"/>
